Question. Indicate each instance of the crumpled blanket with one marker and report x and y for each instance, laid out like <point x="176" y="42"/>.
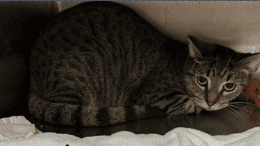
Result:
<point x="17" y="131"/>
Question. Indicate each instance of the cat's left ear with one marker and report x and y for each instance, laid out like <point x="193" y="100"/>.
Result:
<point x="250" y="63"/>
<point x="193" y="50"/>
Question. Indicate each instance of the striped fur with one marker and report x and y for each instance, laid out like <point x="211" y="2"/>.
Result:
<point x="100" y="64"/>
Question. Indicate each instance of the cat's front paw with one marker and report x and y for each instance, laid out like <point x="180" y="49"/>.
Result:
<point x="192" y="107"/>
<point x="198" y="109"/>
<point x="189" y="107"/>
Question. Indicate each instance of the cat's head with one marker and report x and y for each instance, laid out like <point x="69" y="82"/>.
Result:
<point x="215" y="74"/>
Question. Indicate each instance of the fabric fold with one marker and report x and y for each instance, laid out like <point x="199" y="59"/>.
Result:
<point x="18" y="131"/>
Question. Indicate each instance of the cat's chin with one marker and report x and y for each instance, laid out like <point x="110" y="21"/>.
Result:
<point x="210" y="110"/>
<point x="199" y="109"/>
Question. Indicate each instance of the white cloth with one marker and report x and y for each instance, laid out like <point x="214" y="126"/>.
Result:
<point x="176" y="137"/>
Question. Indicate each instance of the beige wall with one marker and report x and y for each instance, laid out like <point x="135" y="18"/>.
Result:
<point x="232" y="24"/>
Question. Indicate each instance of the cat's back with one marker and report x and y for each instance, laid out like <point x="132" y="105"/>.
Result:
<point x="98" y="24"/>
<point x="91" y="11"/>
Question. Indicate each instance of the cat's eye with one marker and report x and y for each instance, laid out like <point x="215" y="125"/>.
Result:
<point x="229" y="86"/>
<point x="202" y="81"/>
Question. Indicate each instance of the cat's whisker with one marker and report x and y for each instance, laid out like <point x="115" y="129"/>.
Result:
<point x="228" y="110"/>
<point x="238" y="106"/>
<point x="242" y="103"/>
<point x="246" y="110"/>
<point x="231" y="109"/>
<point x="241" y="106"/>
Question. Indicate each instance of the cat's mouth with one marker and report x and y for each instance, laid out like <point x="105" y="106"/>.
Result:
<point x="210" y="109"/>
<point x="215" y="107"/>
<point x="207" y="108"/>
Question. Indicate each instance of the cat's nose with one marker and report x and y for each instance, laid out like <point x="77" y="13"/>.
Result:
<point x="211" y="101"/>
<point x="212" y="97"/>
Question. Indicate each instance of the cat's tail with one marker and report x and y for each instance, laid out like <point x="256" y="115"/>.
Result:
<point x="76" y="115"/>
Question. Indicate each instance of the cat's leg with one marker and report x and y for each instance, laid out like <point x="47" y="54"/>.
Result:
<point x="178" y="104"/>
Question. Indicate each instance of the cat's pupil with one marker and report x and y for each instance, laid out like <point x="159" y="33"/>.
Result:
<point x="202" y="81"/>
<point x="229" y="86"/>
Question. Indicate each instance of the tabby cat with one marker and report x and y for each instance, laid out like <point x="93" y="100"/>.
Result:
<point x="100" y="63"/>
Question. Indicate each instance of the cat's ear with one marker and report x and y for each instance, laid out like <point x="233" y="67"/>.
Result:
<point x="193" y="50"/>
<point x="250" y="63"/>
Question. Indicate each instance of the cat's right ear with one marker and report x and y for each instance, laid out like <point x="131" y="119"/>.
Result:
<point x="250" y="63"/>
<point x="193" y="50"/>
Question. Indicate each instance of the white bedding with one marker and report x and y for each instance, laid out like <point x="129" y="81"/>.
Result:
<point x="25" y="134"/>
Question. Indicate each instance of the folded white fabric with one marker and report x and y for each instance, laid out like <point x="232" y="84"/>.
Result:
<point x="176" y="137"/>
<point x="16" y="127"/>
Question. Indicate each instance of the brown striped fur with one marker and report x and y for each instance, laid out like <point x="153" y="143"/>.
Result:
<point x="100" y="63"/>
